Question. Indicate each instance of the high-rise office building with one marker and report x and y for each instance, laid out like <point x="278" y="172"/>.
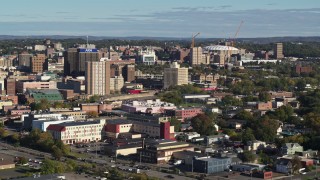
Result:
<point x="10" y="86"/>
<point x="86" y="55"/>
<point x="97" y="77"/>
<point x="70" y="61"/>
<point x="24" y="60"/>
<point x="38" y="63"/>
<point x="75" y="59"/>
<point x="278" y="51"/>
<point x="128" y="72"/>
<point x="175" y="75"/>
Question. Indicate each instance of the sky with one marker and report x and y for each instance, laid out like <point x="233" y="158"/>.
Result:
<point x="161" y="18"/>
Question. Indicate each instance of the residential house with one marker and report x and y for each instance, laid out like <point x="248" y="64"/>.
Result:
<point x="291" y="148"/>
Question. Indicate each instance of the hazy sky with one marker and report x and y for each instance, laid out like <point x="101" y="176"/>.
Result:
<point x="161" y="18"/>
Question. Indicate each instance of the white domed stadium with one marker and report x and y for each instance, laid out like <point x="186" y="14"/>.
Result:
<point x="217" y="48"/>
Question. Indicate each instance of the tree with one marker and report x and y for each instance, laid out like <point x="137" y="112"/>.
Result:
<point x="22" y="160"/>
<point x="312" y="120"/>
<point x="176" y="123"/>
<point x="301" y="85"/>
<point x="264" y="158"/>
<point x="248" y="135"/>
<point x="3" y="133"/>
<point x="115" y="174"/>
<point x="244" y="115"/>
<point x="94" y="98"/>
<point x="56" y="153"/>
<point x="296" y="164"/>
<point x="203" y="124"/>
<point x="248" y="156"/>
<point x="92" y="114"/>
<point x="265" y="128"/>
<point x="283" y="113"/>
<point x="51" y="167"/>
<point x="264" y="96"/>
<point x="231" y="101"/>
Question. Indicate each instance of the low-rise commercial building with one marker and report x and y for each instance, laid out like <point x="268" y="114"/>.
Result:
<point x="114" y="129"/>
<point x="184" y="113"/>
<point x="161" y="151"/>
<point x="148" y="106"/>
<point x="211" y="165"/>
<point x="77" y="132"/>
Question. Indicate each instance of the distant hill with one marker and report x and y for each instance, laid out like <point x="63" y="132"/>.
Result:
<point x="258" y="40"/>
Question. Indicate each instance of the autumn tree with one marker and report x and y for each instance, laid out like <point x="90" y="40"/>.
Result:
<point x="92" y="114"/>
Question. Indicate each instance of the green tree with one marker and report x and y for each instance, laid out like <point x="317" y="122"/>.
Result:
<point x="244" y="115"/>
<point x="115" y="174"/>
<point x="3" y="132"/>
<point x="203" y="124"/>
<point x="230" y="101"/>
<point x="94" y="98"/>
<point x="176" y="123"/>
<point x="57" y="153"/>
<point x="264" y="96"/>
<point x="264" y="158"/>
<point x="248" y="156"/>
<point x="301" y="85"/>
<point x="296" y="164"/>
<point x="248" y="135"/>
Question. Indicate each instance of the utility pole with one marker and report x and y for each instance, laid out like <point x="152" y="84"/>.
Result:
<point x="96" y="150"/>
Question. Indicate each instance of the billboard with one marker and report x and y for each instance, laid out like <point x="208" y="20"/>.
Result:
<point x="87" y="50"/>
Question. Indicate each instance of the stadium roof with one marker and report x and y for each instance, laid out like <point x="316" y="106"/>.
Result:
<point x="220" y="48"/>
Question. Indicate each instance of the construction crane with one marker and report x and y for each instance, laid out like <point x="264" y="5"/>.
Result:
<point x="236" y="34"/>
<point x="233" y="41"/>
<point x="193" y="37"/>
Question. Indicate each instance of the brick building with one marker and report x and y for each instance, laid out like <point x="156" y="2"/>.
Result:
<point x="38" y="63"/>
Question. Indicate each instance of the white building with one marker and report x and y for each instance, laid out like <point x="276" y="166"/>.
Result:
<point x="175" y="76"/>
<point x="148" y="106"/>
<point x="147" y="57"/>
<point x="97" y="78"/>
<point x="77" y="132"/>
<point x="42" y="124"/>
<point x="40" y="47"/>
<point x="116" y="83"/>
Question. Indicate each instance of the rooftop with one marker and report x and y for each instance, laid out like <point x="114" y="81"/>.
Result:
<point x="220" y="48"/>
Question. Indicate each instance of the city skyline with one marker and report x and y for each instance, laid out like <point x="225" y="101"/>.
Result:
<point x="216" y="19"/>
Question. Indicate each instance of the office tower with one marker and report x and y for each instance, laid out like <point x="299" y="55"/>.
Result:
<point x="10" y="86"/>
<point x="70" y="61"/>
<point x="75" y="59"/>
<point x="128" y="72"/>
<point x="24" y="60"/>
<point x="38" y="63"/>
<point x="97" y="77"/>
<point x="278" y="51"/>
<point x="175" y="75"/>
<point x="86" y="55"/>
